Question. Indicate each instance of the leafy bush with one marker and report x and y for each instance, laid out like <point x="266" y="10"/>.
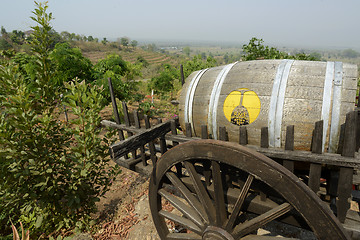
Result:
<point x="114" y="67"/>
<point x="69" y="63"/>
<point x="256" y="50"/>
<point x="164" y="83"/>
<point x="198" y="63"/>
<point x="51" y="172"/>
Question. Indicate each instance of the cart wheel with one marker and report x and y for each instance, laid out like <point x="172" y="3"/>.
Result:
<point x="217" y="192"/>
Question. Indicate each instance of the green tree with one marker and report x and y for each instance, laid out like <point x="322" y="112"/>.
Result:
<point x="90" y="38"/>
<point x="77" y="37"/>
<point x="104" y="41"/>
<point x="3" y="31"/>
<point x="350" y="53"/>
<point x="198" y="63"/>
<point x="151" y="47"/>
<point x="141" y="60"/>
<point x="17" y="37"/>
<point x="226" y="58"/>
<point x="255" y="49"/>
<point x="66" y="35"/>
<point x="69" y="63"/>
<point x="72" y="36"/>
<point x="52" y="172"/>
<point x="124" y="41"/>
<point x="134" y="43"/>
<point x="187" y="51"/>
<point x="164" y="82"/>
<point x="4" y="45"/>
<point x="114" y="67"/>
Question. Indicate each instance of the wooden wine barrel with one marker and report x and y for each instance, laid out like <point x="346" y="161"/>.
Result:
<point x="272" y="93"/>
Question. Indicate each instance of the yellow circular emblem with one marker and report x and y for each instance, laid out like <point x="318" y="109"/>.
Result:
<point x="242" y="106"/>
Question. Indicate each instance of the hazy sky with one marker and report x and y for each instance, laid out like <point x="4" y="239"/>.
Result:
<point x="327" y="23"/>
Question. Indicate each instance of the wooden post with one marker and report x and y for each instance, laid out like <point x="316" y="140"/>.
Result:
<point x="182" y="74"/>
<point x="315" y="169"/>
<point x="142" y="148"/>
<point x="314" y="177"/>
<point x="127" y="123"/>
<point x="317" y="137"/>
<point x="264" y="141"/>
<point x="204" y="132"/>
<point x="350" y="135"/>
<point x="344" y="192"/>
<point x="222" y="133"/>
<point x="126" y="114"/>
<point x="151" y="143"/>
<point x="346" y="174"/>
<point x="173" y="131"/>
<point x="341" y="139"/>
<point x="116" y="112"/>
<point x="163" y="147"/>
<point x="113" y="101"/>
<point x="243" y="137"/>
<point x="289" y="146"/>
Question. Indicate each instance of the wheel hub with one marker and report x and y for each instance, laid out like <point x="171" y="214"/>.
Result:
<point x="216" y="233"/>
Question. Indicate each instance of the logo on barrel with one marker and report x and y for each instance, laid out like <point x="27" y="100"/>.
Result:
<point x="242" y="106"/>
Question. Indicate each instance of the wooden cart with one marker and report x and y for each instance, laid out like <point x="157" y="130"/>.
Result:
<point x="215" y="189"/>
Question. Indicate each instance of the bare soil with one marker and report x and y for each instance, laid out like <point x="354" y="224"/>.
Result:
<point x="124" y="213"/>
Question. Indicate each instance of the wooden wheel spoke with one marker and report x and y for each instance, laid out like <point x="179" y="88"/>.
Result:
<point x="214" y="174"/>
<point x="189" y="212"/>
<point x="183" y="236"/>
<point x="190" y="198"/>
<point x="186" y="223"/>
<point x="201" y="191"/>
<point x="239" y="202"/>
<point x="207" y="172"/>
<point x="221" y="213"/>
<point x="261" y="220"/>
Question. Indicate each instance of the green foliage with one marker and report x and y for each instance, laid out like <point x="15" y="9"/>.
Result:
<point x="141" y="60"/>
<point x="134" y="43"/>
<point x="350" y="53"/>
<point x="124" y="41"/>
<point x="256" y="50"/>
<point x="112" y="62"/>
<point x="164" y="83"/>
<point x="197" y="63"/>
<point x="69" y="63"/>
<point x="4" y="45"/>
<point x="104" y="41"/>
<point x="17" y="36"/>
<point x="51" y="172"/>
<point x="147" y="107"/>
<point x="3" y="31"/>
<point x="187" y="51"/>
<point x="114" y="67"/>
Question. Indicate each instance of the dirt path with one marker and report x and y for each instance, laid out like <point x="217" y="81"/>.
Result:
<point x="124" y="213"/>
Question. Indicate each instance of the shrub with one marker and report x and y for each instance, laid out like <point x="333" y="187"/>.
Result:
<point x="255" y="49"/>
<point x="51" y="172"/>
<point x="120" y="71"/>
